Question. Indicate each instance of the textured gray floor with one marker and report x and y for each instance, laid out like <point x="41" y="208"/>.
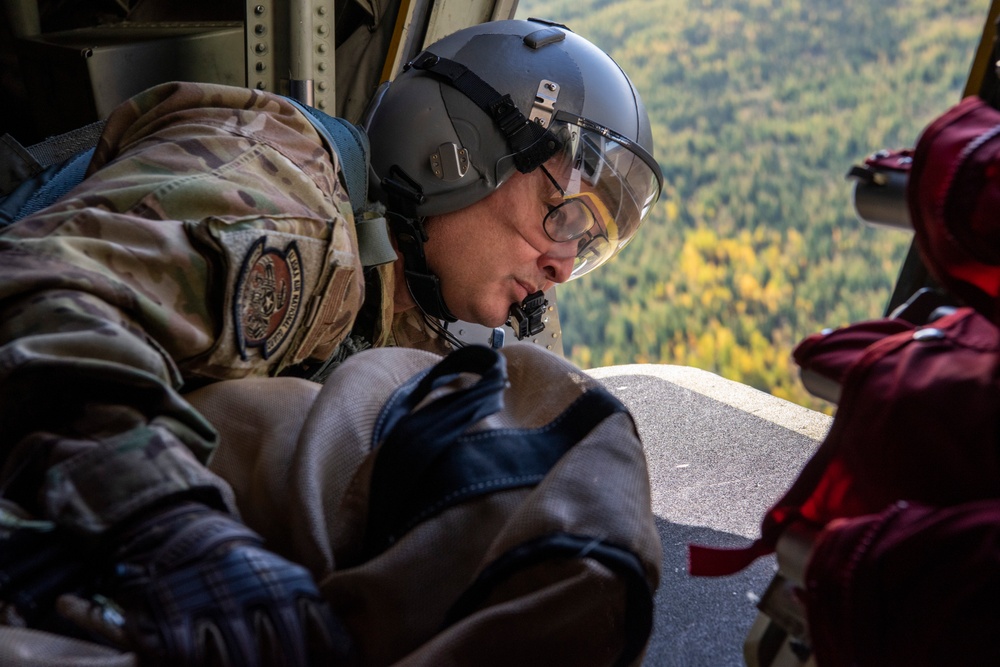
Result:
<point x="720" y="454"/>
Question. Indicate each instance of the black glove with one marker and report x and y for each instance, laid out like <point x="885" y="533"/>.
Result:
<point x="38" y="562"/>
<point x="195" y="587"/>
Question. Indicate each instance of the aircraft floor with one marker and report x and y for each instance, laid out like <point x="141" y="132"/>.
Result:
<point x="720" y="454"/>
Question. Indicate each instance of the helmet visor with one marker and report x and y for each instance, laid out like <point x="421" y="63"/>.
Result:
<point x="608" y="185"/>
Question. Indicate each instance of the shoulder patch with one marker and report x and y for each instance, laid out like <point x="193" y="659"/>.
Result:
<point x="268" y="297"/>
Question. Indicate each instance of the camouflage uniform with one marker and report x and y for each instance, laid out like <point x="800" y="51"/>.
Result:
<point x="213" y="239"/>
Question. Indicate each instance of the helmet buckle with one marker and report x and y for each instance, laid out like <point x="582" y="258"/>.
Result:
<point x="450" y="162"/>
<point x="507" y="116"/>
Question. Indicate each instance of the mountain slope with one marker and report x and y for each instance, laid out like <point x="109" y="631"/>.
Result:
<point x="759" y="108"/>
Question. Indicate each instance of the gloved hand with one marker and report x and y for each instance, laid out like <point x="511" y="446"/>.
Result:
<point x="196" y="587"/>
<point x="38" y="562"/>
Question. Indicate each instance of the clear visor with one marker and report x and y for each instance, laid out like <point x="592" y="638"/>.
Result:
<point x="607" y="185"/>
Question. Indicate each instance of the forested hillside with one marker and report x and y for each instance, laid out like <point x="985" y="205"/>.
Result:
<point x="759" y="108"/>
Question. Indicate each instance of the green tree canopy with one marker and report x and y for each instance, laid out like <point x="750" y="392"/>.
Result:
<point x="759" y="108"/>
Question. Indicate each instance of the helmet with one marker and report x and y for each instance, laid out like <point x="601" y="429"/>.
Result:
<point x="506" y="96"/>
<point x="442" y="127"/>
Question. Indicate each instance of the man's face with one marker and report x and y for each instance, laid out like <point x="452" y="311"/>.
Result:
<point x="495" y="253"/>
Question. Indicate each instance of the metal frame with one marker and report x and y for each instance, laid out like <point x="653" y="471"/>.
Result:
<point x="290" y="49"/>
<point x="984" y="80"/>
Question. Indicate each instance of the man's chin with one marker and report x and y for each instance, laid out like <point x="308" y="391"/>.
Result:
<point x="496" y="323"/>
<point x="484" y="312"/>
<point x="492" y="320"/>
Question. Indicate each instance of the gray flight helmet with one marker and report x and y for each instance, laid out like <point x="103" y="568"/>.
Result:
<point x="455" y="154"/>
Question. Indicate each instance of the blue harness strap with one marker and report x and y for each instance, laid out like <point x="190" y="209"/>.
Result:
<point x="351" y="144"/>
<point x="44" y="188"/>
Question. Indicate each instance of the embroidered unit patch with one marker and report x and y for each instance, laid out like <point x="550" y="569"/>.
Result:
<point x="268" y="297"/>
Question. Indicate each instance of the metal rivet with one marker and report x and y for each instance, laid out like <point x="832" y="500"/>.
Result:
<point x="258" y="10"/>
<point x="321" y="67"/>
<point x="321" y="10"/>
<point x="260" y="29"/>
<point x="261" y="49"/>
<point x="321" y="85"/>
<point x="261" y="85"/>
<point x="261" y="67"/>
<point x="321" y="48"/>
<point x="322" y="30"/>
<point x="928" y="334"/>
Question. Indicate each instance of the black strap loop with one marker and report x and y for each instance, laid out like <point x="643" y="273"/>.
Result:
<point x="428" y="461"/>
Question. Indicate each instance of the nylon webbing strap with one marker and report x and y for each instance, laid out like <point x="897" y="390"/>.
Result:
<point x="404" y="196"/>
<point x="424" y="286"/>
<point x="374" y="246"/>
<point x="63" y="146"/>
<point x="19" y="164"/>
<point x="429" y="459"/>
<point x="530" y="142"/>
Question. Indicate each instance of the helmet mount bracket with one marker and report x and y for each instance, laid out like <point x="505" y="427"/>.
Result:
<point x="545" y="103"/>
<point x="449" y="162"/>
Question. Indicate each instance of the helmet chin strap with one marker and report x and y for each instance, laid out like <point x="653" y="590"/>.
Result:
<point x="425" y="287"/>
<point x="526" y="318"/>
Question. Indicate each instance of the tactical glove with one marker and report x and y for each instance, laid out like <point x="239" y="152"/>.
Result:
<point x="38" y="562"/>
<point x="196" y="587"/>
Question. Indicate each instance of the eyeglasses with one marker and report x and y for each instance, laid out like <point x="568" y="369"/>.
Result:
<point x="580" y="216"/>
<point x="576" y="215"/>
<point x="604" y="185"/>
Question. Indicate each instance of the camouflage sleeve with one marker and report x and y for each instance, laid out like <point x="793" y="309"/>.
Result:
<point x="212" y="239"/>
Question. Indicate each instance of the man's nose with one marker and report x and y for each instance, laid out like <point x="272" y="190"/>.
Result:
<point x="556" y="269"/>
